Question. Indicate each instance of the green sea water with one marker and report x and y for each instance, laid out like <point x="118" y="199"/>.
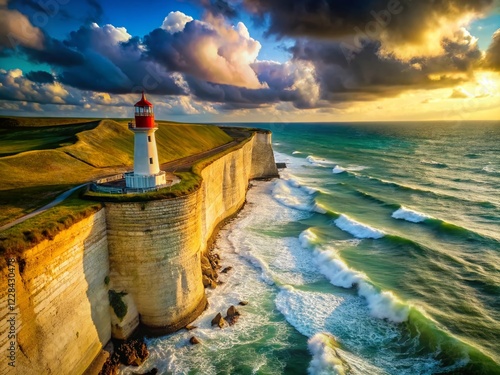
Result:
<point x="383" y="236"/>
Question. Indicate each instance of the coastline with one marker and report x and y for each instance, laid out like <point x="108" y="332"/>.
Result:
<point x="101" y="252"/>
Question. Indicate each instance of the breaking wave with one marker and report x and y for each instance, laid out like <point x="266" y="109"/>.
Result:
<point x="326" y="360"/>
<point x="382" y="304"/>
<point x="404" y="213"/>
<point x="357" y="229"/>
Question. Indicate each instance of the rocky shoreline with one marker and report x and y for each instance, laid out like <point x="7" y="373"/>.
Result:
<point x="134" y="352"/>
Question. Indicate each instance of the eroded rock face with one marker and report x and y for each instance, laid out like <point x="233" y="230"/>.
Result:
<point x="218" y="320"/>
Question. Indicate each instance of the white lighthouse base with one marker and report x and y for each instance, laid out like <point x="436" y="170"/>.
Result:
<point x="145" y="182"/>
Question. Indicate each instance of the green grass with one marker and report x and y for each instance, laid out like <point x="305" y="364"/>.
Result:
<point x="21" y="139"/>
<point x="30" y="179"/>
<point x="190" y="182"/>
<point x="13" y="122"/>
<point x="15" y="203"/>
<point x="46" y="225"/>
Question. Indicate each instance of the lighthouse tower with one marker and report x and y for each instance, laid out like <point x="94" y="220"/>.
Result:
<point x="147" y="174"/>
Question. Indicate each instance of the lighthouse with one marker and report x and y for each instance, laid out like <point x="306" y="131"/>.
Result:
<point x="147" y="174"/>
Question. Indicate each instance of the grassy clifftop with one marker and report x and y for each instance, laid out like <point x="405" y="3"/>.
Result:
<point x="49" y="161"/>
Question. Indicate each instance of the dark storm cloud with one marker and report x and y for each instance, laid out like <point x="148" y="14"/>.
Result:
<point x="40" y="77"/>
<point x="368" y="75"/>
<point x="54" y="53"/>
<point x="238" y="97"/>
<point x="493" y="52"/>
<point x="94" y="59"/>
<point x="335" y="18"/>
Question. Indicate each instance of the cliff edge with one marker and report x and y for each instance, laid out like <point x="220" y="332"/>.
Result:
<point x="130" y="263"/>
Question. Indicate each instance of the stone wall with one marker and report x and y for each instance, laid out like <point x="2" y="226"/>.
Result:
<point x="62" y="309"/>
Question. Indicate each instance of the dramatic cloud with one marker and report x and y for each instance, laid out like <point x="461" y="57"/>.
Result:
<point x="15" y="86"/>
<point x="210" y="50"/>
<point x="370" y="74"/>
<point x="405" y="28"/>
<point x="107" y="59"/>
<point x="339" y="56"/>
<point x="16" y="30"/>
<point x="493" y="53"/>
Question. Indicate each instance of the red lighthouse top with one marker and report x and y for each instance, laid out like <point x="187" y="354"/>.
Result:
<point x="144" y="116"/>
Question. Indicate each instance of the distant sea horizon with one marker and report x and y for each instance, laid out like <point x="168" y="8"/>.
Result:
<point x="382" y="236"/>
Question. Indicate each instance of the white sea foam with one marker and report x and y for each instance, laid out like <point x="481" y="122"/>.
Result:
<point x="382" y="305"/>
<point x="336" y="271"/>
<point x="404" y="213"/>
<point x="291" y="193"/>
<point x="338" y="169"/>
<point x="357" y="229"/>
<point x="319" y="162"/>
<point x="345" y="314"/>
<point x="296" y="152"/>
<point x="325" y="359"/>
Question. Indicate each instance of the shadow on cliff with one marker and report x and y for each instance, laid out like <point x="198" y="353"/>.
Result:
<point x="96" y="271"/>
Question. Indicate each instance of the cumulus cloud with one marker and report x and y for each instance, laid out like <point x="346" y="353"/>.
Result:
<point x="107" y="59"/>
<point x="210" y="50"/>
<point x="175" y="22"/>
<point x="15" y="86"/>
<point x="16" y="29"/>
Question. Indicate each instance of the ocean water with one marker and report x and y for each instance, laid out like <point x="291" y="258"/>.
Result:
<point x="385" y="237"/>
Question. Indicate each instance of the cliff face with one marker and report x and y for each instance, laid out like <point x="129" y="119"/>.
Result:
<point x="62" y="311"/>
<point x="151" y="252"/>
<point x="155" y="247"/>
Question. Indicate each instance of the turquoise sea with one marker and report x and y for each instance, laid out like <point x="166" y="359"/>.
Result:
<point x="385" y="237"/>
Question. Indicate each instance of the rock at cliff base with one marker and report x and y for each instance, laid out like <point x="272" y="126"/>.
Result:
<point x="194" y="341"/>
<point x="206" y="281"/>
<point x="213" y="284"/>
<point x="227" y="269"/>
<point x="132" y="353"/>
<point x="190" y="327"/>
<point x="218" y="321"/>
<point x="111" y="366"/>
<point x="232" y="315"/>
<point x="243" y="303"/>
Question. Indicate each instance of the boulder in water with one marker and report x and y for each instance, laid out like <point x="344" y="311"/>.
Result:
<point x="232" y="315"/>
<point x="218" y="321"/>
<point x="194" y="341"/>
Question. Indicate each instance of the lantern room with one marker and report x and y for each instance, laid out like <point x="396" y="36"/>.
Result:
<point x="144" y="115"/>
